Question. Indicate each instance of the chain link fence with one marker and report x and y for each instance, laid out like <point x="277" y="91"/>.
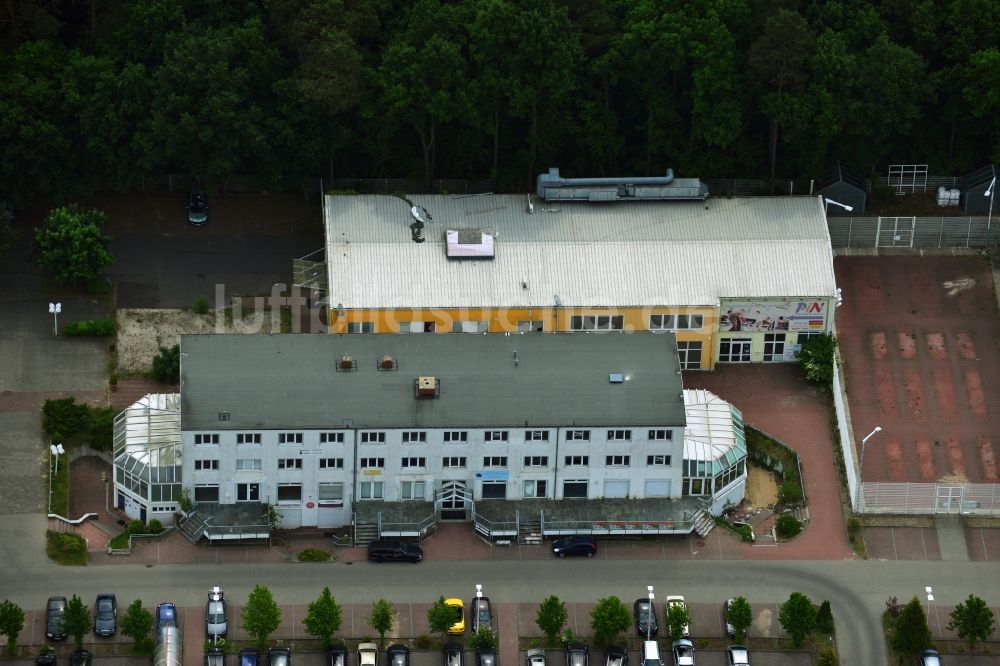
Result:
<point x="924" y="498"/>
<point x="912" y="232"/>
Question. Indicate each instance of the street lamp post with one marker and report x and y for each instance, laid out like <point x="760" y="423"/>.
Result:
<point x="649" y="619"/>
<point x="826" y="206"/>
<point x="861" y="463"/>
<point x="990" y="191"/>
<point x="54" y="310"/>
<point x="55" y="450"/>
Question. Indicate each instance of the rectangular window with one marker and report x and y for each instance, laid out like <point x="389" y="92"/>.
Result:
<point x="693" y="322"/>
<point x="206" y="493"/>
<point x="453" y="461"/>
<point x="206" y="464"/>
<point x="806" y="336"/>
<point x="661" y="322"/>
<point x="330" y="494"/>
<point x="331" y="463"/>
<point x="414" y="437"/>
<point x="734" y="350"/>
<point x="578" y="436"/>
<point x="494" y="489"/>
<point x="689" y="355"/>
<point x="535" y="488"/>
<point x="536" y="435"/>
<point x="371" y="490"/>
<point x="470" y="327"/>
<point x="414" y="462"/>
<point x="617" y="461"/>
<point x="417" y="327"/>
<point x="413" y="490"/>
<point x="247" y="492"/>
<point x="288" y="492"/>
<point x="360" y="327"/>
<point x="536" y="461"/>
<point x="331" y="438"/>
<point x="289" y="463"/>
<point x="495" y="461"/>
<point x="456" y="436"/>
<point x="577" y="461"/>
<point x="660" y="435"/>
<point x="658" y="461"/>
<point x="774" y="347"/>
<point x="530" y="327"/>
<point x="681" y="322"/>
<point x="372" y="437"/>
<point x="247" y="464"/>
<point x="206" y="438"/>
<point x="248" y="438"/>
<point x="575" y="489"/>
<point x="496" y="436"/>
<point x="372" y="463"/>
<point x="289" y="438"/>
<point x="619" y="435"/>
<point x="597" y="323"/>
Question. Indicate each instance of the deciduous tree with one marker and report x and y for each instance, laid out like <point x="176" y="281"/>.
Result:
<point x="382" y="617"/>
<point x="77" y="620"/>
<point x="740" y="615"/>
<point x="71" y="246"/>
<point x="972" y="619"/>
<point x="137" y="623"/>
<point x="609" y="618"/>
<point x="11" y="624"/>
<point x="441" y="616"/>
<point x="910" y="633"/>
<point x="551" y="617"/>
<point x="261" y="615"/>
<point x="797" y="617"/>
<point x="323" y="617"/>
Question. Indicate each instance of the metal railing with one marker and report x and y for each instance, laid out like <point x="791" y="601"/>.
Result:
<point x="419" y="529"/>
<point x="237" y="532"/>
<point x="912" y="232"/>
<point x="616" y="527"/>
<point x="131" y="545"/>
<point x="495" y="529"/>
<point x="922" y="498"/>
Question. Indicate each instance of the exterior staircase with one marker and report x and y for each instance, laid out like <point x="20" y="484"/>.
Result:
<point x="529" y="532"/>
<point x="364" y="534"/>
<point x="192" y="526"/>
<point x="703" y="523"/>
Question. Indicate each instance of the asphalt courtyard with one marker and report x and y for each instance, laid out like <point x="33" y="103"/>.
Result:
<point x="919" y="338"/>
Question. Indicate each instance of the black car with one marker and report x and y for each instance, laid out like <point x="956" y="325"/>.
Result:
<point x="80" y="658"/>
<point x="394" y="551"/>
<point x="46" y="658"/>
<point x="577" y="654"/>
<point x="105" y="615"/>
<point x="279" y="656"/>
<point x="398" y="655"/>
<point x="336" y="655"/>
<point x="644" y="613"/>
<point x="481" y="613"/>
<point x="453" y="653"/>
<point x="575" y="545"/>
<point x="486" y="657"/>
<point x="197" y="207"/>
<point x="55" y="610"/>
<point x="616" y="655"/>
<point x="249" y="657"/>
<point x="215" y="656"/>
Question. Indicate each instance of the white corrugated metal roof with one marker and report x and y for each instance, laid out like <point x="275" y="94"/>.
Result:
<point x="625" y="254"/>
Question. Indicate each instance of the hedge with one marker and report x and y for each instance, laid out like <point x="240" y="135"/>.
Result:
<point x="101" y="327"/>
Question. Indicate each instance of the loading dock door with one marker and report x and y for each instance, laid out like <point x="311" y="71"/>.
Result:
<point x="616" y="488"/>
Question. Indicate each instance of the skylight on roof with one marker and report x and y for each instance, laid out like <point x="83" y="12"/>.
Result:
<point x="470" y="243"/>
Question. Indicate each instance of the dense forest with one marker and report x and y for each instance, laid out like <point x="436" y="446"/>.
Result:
<point x="100" y="94"/>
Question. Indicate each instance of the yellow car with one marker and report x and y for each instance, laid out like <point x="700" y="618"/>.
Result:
<point x="459" y="627"/>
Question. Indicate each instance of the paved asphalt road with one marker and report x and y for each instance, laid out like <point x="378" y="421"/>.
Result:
<point x="857" y="590"/>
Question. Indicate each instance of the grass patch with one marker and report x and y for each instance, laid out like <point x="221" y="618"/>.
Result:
<point x="744" y="530"/>
<point x="119" y="542"/>
<point x="60" y="488"/>
<point x="66" y="548"/>
<point x="313" y="555"/>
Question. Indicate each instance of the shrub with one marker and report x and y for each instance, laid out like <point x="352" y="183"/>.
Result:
<point x="789" y="491"/>
<point x="154" y="526"/>
<point x="62" y="417"/>
<point x="313" y="555"/>
<point x="824" y="618"/>
<point x="817" y="358"/>
<point x="101" y="327"/>
<point x="136" y="527"/>
<point x="787" y="526"/>
<point x="66" y="548"/>
<point x="827" y="657"/>
<point x="167" y="365"/>
<point x="423" y="642"/>
<point x="200" y="305"/>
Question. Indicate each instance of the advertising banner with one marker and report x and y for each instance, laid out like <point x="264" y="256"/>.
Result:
<point x="772" y="316"/>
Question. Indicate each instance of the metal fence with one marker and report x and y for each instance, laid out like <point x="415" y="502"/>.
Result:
<point x="912" y="232"/>
<point x="921" y="498"/>
<point x="846" y="436"/>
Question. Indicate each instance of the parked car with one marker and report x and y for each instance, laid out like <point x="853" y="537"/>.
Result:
<point x="45" y="658"/>
<point x="367" y="654"/>
<point x="738" y="655"/>
<point x="80" y="658"/>
<point x="336" y="655"/>
<point x="730" y="630"/>
<point x="105" y="615"/>
<point x="215" y="656"/>
<point x="577" y="654"/>
<point x="216" y="613"/>
<point x="481" y="613"/>
<point x="394" y="551"/>
<point x="616" y="655"/>
<point x="683" y="652"/>
<point x="651" y="653"/>
<point x="458" y="628"/>
<point x="535" y="657"/>
<point x="645" y="618"/>
<point x="677" y="600"/>
<point x="166" y="616"/>
<point x="453" y="654"/>
<point x="197" y="207"/>
<point x="575" y="545"/>
<point x="486" y="657"/>
<point x="929" y="657"/>
<point x="398" y="655"/>
<point x="249" y="657"/>
<point x="279" y="656"/>
<point x="55" y="611"/>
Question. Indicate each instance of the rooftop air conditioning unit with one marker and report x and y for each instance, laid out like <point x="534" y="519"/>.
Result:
<point x="426" y="386"/>
<point x="387" y="362"/>
<point x="346" y="362"/>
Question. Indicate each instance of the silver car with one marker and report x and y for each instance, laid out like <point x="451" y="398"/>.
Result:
<point x="215" y="614"/>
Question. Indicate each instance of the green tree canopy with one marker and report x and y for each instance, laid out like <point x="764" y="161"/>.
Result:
<point x="797" y="617"/>
<point x="11" y="624"/>
<point x="323" y="617"/>
<point x="261" y="615"/>
<point x="609" y="619"/>
<point x="740" y="616"/>
<point x="137" y="623"/>
<point x="972" y="619"/>
<point x="440" y="616"/>
<point x="71" y="246"/>
<point x="910" y="633"/>
<point x="382" y="617"/>
<point x="678" y="618"/>
<point x="551" y="617"/>
<point x="77" y="620"/>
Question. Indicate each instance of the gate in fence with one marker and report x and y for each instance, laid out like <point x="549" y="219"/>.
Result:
<point x="895" y="232"/>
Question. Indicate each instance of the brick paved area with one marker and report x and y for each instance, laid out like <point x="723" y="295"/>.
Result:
<point x="775" y="399"/>
<point x="902" y="543"/>
<point x="983" y="544"/>
<point x="919" y="340"/>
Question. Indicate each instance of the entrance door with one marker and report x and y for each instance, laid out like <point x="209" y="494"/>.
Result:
<point x="453" y="500"/>
<point x="734" y="350"/>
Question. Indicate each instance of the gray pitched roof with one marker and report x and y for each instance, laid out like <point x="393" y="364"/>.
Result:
<point x="292" y="381"/>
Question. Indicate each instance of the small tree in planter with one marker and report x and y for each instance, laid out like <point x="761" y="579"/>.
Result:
<point x="551" y="617"/>
<point x="910" y="633"/>
<point x="11" y="624"/>
<point x="261" y="615"/>
<point x="441" y="616"/>
<point x="382" y="617"/>
<point x="740" y="615"/>
<point x="137" y="623"/>
<point x="609" y="619"/>
<point x="797" y="617"/>
<point x="77" y="620"/>
<point x="324" y="617"/>
<point x="483" y="637"/>
<point x="972" y="619"/>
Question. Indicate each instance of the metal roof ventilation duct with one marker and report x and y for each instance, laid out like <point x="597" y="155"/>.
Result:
<point x="550" y="186"/>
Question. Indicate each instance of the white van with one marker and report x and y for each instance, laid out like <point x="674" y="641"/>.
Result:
<point x="650" y="654"/>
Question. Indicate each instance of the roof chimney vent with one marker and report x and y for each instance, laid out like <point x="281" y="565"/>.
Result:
<point x="346" y="364"/>
<point x="427" y="387"/>
<point x="387" y="363"/>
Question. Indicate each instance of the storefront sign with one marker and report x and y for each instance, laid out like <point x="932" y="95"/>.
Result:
<point x="772" y="316"/>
